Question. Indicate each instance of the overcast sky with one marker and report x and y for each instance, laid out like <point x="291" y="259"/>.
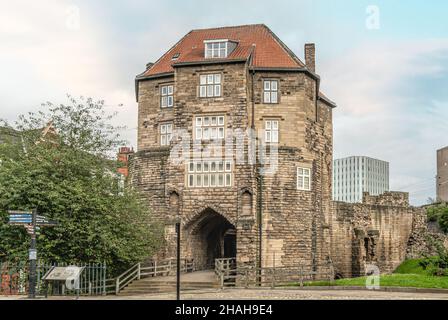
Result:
<point x="385" y="63"/>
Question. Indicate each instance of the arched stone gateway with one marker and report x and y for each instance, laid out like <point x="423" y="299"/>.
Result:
<point x="210" y="236"/>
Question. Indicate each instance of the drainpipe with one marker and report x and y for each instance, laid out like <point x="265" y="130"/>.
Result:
<point x="260" y="221"/>
<point x="253" y="100"/>
<point x="259" y="178"/>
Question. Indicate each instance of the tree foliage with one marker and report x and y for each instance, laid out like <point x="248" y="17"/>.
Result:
<point x="69" y="177"/>
<point x="439" y="213"/>
<point x="436" y="265"/>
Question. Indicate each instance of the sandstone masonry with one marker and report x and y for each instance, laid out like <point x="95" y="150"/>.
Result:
<point x="260" y="218"/>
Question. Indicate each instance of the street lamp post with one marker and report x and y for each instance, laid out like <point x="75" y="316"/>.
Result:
<point x="178" y="262"/>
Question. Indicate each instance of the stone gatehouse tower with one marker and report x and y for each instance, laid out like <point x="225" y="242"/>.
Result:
<point x="210" y="87"/>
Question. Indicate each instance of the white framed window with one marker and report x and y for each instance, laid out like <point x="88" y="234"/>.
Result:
<point x="210" y="85"/>
<point x="271" y="131"/>
<point x="270" y="91"/>
<point x="209" y="173"/>
<point x="303" y="178"/>
<point x="216" y="49"/>
<point x="166" y="134"/>
<point x="209" y="127"/>
<point x="167" y="96"/>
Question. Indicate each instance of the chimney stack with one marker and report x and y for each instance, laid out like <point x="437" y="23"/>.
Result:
<point x="310" y="56"/>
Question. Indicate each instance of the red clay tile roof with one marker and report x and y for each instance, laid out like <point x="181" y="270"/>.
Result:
<point x="269" y="51"/>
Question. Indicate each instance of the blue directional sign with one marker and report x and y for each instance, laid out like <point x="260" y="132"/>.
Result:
<point x="26" y="217"/>
<point x="20" y="217"/>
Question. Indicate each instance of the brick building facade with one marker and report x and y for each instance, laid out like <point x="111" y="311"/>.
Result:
<point x="196" y="101"/>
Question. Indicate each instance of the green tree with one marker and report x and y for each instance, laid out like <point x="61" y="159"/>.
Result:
<point x="68" y="175"/>
<point x="439" y="213"/>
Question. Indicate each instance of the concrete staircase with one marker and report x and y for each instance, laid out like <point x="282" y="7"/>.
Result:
<point x="190" y="281"/>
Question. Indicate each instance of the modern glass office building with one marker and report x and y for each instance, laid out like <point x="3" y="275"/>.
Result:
<point x="354" y="175"/>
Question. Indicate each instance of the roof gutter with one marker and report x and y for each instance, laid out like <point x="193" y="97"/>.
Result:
<point x="214" y="61"/>
<point x="327" y="101"/>
<point x="283" y="69"/>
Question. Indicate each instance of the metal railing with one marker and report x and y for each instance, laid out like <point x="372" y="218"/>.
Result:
<point x="246" y="276"/>
<point x="154" y="268"/>
<point x="14" y="279"/>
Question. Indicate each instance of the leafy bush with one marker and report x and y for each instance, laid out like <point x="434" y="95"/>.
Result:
<point x="70" y="177"/>
<point x="436" y="265"/>
<point x="411" y="266"/>
<point x="439" y="213"/>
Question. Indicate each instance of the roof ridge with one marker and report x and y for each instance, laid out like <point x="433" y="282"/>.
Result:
<point x="237" y="26"/>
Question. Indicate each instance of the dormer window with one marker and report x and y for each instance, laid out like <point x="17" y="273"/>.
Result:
<point x="215" y="49"/>
<point x="218" y="48"/>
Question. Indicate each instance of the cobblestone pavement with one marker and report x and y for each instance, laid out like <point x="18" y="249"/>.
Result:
<point x="265" y="294"/>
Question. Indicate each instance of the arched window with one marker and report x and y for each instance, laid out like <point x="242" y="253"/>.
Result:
<point x="246" y="203"/>
<point x="174" y="203"/>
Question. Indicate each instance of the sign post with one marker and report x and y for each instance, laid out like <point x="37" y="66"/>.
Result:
<point x="33" y="258"/>
<point x="31" y="221"/>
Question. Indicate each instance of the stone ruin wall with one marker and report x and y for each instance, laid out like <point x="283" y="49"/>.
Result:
<point x="382" y="231"/>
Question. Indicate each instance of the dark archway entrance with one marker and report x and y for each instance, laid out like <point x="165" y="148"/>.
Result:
<point x="212" y="236"/>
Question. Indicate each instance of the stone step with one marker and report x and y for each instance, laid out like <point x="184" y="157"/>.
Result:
<point x="192" y="281"/>
<point x="171" y="284"/>
<point x="131" y="290"/>
<point x="154" y="291"/>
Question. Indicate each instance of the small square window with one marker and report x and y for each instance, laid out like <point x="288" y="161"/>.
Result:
<point x="303" y="179"/>
<point x="198" y="180"/>
<point x="166" y="134"/>
<point x="210" y="85"/>
<point x="166" y="96"/>
<point x="271" y="131"/>
<point x="228" y="179"/>
<point x="220" y="180"/>
<point x="270" y="91"/>
<point x="198" y="134"/>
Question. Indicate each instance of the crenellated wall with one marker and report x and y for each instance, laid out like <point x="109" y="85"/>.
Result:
<point x="377" y="231"/>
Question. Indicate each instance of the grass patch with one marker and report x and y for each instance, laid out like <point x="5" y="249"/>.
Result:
<point x="390" y="280"/>
<point x="411" y="266"/>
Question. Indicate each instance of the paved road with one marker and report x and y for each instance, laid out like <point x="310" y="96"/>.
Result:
<point x="277" y="294"/>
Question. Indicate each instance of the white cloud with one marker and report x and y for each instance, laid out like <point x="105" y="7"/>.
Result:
<point x="42" y="57"/>
<point x="390" y="105"/>
<point x="390" y="108"/>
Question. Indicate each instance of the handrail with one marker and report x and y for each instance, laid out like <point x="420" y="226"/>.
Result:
<point x="272" y="275"/>
<point x="160" y="268"/>
<point x="127" y="273"/>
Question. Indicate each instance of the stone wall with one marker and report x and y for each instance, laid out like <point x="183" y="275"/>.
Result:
<point x="293" y="227"/>
<point x="378" y="231"/>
